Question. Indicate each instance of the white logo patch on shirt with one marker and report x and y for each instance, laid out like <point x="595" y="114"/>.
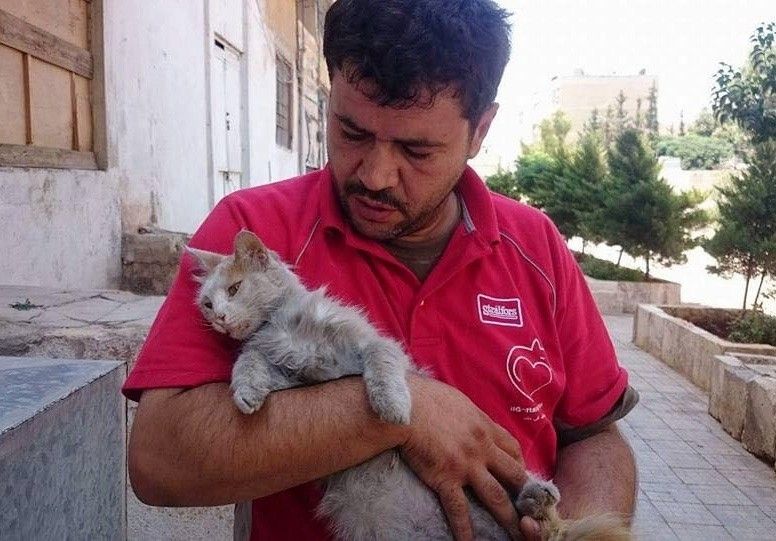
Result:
<point x="495" y="311"/>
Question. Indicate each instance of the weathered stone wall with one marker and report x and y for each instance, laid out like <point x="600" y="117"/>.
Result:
<point x="615" y="297"/>
<point x="743" y="398"/>
<point x="149" y="261"/>
<point x="682" y="345"/>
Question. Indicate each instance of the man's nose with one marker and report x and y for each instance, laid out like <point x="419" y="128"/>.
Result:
<point x="379" y="169"/>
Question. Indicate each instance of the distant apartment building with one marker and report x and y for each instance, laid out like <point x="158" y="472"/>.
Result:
<point x="580" y="94"/>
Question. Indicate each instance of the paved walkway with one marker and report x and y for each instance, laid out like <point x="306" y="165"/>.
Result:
<point x="696" y="482"/>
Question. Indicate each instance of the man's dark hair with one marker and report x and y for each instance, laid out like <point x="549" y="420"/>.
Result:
<point x="406" y="47"/>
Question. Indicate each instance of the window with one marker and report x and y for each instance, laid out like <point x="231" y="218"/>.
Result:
<point x="49" y="72"/>
<point x="283" y="104"/>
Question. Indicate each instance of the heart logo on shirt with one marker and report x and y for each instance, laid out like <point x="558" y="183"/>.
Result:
<point x="528" y="370"/>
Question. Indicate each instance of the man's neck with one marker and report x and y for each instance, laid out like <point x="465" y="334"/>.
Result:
<point x="421" y="253"/>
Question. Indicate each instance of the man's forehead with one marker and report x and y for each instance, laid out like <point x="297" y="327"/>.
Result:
<point x="353" y="102"/>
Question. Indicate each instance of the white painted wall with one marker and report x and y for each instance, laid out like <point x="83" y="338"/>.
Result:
<point x="63" y="228"/>
<point x="59" y="228"/>
<point x="268" y="161"/>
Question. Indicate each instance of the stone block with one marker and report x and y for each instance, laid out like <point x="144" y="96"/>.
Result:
<point x="733" y="406"/>
<point x="62" y="449"/>
<point x="613" y="297"/>
<point x="759" y="433"/>
<point x="150" y="260"/>
<point x="717" y="383"/>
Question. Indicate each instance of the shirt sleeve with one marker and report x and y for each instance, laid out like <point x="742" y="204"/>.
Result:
<point x="595" y="381"/>
<point x="181" y="349"/>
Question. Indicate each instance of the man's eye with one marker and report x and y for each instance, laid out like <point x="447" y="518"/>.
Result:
<point x="353" y="136"/>
<point x="234" y="288"/>
<point x="416" y="155"/>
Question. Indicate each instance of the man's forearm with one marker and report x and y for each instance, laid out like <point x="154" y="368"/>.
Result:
<point x="194" y="447"/>
<point x="597" y="475"/>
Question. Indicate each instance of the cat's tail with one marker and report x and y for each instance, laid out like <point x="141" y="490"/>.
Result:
<point x="606" y="527"/>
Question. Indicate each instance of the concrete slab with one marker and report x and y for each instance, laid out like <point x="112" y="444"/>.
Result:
<point x="62" y="449"/>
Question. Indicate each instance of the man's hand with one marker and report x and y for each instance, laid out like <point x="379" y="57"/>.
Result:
<point x="453" y="445"/>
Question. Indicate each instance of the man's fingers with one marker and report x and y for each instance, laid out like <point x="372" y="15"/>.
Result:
<point x="496" y="500"/>
<point x="507" y="443"/>
<point x="456" y="507"/>
<point x="530" y="529"/>
<point x="510" y="472"/>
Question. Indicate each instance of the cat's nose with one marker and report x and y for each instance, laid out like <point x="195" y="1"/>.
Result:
<point x="220" y="316"/>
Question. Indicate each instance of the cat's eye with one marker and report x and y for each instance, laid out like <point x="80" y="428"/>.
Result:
<point x="207" y="304"/>
<point x="234" y="288"/>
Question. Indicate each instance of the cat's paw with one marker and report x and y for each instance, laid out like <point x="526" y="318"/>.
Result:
<point x="536" y="498"/>
<point x="392" y="403"/>
<point x="249" y="399"/>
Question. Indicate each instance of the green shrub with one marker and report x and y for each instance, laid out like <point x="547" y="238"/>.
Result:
<point x="696" y="151"/>
<point x="601" y="269"/>
<point x="754" y="327"/>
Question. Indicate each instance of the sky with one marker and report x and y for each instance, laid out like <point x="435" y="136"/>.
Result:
<point x="681" y="42"/>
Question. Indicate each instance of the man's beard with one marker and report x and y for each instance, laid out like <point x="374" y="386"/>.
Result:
<point x="408" y="225"/>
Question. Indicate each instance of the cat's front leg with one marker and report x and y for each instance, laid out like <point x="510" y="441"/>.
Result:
<point x="385" y="376"/>
<point x="251" y="381"/>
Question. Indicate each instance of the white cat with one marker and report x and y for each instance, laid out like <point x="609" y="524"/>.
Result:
<point x="294" y="337"/>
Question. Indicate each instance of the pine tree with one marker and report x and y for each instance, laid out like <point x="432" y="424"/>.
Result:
<point x="588" y="172"/>
<point x="641" y="213"/>
<point x="681" y="124"/>
<point x="745" y="238"/>
<point x="608" y="126"/>
<point x="621" y="118"/>
<point x="650" y="121"/>
<point x="639" y="119"/>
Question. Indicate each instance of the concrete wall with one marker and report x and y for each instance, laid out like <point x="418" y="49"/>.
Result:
<point x="59" y="228"/>
<point x="613" y="297"/>
<point x="62" y="228"/>
<point x="683" y="346"/>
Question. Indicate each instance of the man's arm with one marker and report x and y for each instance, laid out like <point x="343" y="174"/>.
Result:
<point x="193" y="447"/>
<point x="597" y="475"/>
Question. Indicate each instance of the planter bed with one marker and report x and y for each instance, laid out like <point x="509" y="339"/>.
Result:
<point x="617" y="297"/>
<point x="743" y="398"/>
<point x="662" y="331"/>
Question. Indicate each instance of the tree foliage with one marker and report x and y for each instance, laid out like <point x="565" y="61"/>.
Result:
<point x="641" y="212"/>
<point x="747" y="95"/>
<point x="696" y="151"/>
<point x="745" y="238"/>
<point x="604" y="194"/>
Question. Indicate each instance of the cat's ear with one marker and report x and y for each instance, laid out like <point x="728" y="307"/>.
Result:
<point x="250" y="251"/>
<point x="206" y="261"/>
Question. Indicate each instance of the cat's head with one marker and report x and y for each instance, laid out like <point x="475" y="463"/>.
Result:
<point x="240" y="290"/>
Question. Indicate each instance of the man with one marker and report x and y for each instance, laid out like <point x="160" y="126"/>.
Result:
<point x="480" y="289"/>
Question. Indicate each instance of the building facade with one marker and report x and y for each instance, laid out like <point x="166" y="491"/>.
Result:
<point x="120" y="114"/>
<point x="578" y="95"/>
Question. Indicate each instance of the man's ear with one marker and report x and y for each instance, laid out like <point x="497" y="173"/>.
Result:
<point x="206" y="261"/>
<point x="249" y="250"/>
<point x="481" y="129"/>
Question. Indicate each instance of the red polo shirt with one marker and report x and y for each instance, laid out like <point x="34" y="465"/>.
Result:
<point x="505" y="316"/>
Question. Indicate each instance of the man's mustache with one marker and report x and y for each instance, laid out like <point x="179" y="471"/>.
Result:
<point x="383" y="197"/>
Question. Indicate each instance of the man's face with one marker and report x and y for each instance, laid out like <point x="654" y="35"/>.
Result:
<point x="395" y="168"/>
